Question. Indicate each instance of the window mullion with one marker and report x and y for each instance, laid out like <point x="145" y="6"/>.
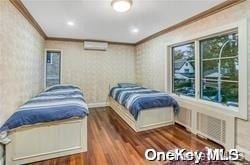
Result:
<point x="197" y="70"/>
<point x="171" y="78"/>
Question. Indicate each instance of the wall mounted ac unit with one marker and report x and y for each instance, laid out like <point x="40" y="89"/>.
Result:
<point x="91" y="45"/>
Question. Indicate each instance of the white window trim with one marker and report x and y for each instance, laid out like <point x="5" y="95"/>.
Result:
<point x="45" y="62"/>
<point x="197" y="103"/>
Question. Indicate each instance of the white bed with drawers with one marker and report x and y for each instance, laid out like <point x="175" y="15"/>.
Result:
<point x="50" y="125"/>
<point x="46" y="141"/>
<point x="146" y="119"/>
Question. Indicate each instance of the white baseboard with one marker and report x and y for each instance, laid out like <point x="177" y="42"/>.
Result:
<point x="245" y="151"/>
<point x="96" y="105"/>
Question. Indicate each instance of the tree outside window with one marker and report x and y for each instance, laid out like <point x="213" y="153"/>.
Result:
<point x="219" y="69"/>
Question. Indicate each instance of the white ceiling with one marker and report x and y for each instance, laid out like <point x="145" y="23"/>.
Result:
<point x="95" y="19"/>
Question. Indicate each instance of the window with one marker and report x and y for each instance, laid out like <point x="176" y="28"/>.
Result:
<point x="53" y="64"/>
<point x="219" y="68"/>
<point x="184" y="69"/>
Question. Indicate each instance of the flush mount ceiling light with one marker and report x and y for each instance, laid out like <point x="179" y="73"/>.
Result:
<point x="70" y="23"/>
<point x="134" y="30"/>
<point x="121" y="5"/>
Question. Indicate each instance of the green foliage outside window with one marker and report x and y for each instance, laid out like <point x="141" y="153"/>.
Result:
<point x="219" y="67"/>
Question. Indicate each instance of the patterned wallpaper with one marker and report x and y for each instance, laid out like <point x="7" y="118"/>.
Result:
<point x="22" y="50"/>
<point x="93" y="71"/>
<point x="21" y="60"/>
<point x="150" y="56"/>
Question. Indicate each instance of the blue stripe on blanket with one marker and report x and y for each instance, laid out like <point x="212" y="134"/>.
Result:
<point x="56" y="100"/>
<point x="124" y="95"/>
<point x="115" y="92"/>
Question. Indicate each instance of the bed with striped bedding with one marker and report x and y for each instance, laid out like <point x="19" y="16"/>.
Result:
<point x="139" y="98"/>
<point x="58" y="102"/>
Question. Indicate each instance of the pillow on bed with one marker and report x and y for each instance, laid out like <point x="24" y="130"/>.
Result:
<point x="127" y="85"/>
<point x="60" y="86"/>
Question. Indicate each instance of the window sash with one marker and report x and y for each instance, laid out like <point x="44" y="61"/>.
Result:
<point x="215" y="80"/>
<point x="222" y="58"/>
<point x="173" y="68"/>
<point x="198" y="70"/>
<point x="220" y="81"/>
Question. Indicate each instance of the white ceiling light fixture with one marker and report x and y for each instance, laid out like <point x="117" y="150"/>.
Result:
<point x="70" y="23"/>
<point x="121" y="5"/>
<point x="134" y="30"/>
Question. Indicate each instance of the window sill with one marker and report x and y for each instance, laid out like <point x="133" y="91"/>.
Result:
<point x="205" y="106"/>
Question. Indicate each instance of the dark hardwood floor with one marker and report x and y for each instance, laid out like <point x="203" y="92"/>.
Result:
<point x="112" y="141"/>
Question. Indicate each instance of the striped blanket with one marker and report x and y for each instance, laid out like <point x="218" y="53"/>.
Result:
<point x="58" y="103"/>
<point x="136" y="99"/>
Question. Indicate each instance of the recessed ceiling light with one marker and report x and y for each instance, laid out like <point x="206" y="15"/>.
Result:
<point x="70" y="23"/>
<point x="135" y="30"/>
<point x="121" y="5"/>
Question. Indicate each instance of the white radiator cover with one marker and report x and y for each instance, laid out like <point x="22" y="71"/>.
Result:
<point x="184" y="117"/>
<point x="213" y="125"/>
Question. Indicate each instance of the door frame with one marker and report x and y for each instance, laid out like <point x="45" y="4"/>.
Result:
<point x="45" y="65"/>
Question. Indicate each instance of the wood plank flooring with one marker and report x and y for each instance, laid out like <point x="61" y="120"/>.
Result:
<point x="112" y="142"/>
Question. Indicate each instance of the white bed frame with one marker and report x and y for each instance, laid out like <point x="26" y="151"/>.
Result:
<point x="147" y="119"/>
<point x="45" y="141"/>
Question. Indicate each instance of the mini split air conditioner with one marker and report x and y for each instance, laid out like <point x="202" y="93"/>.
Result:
<point x="91" y="45"/>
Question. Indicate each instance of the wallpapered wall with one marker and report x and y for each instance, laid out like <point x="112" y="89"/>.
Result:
<point x="21" y="60"/>
<point x="150" y="56"/>
<point x="22" y="51"/>
<point x="93" y="71"/>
